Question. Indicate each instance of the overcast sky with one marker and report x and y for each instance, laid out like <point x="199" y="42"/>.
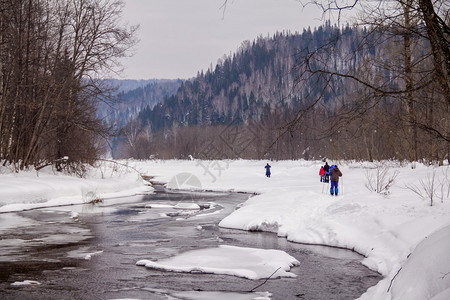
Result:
<point x="180" y="37"/>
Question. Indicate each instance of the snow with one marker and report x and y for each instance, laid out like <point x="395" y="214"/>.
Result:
<point x="193" y="206"/>
<point x="89" y="255"/>
<point x="427" y="269"/>
<point x="28" y="190"/>
<point x="202" y="295"/>
<point x="400" y="234"/>
<point x="205" y="295"/>
<point x="386" y="229"/>
<point x="250" y="263"/>
<point x="25" y="282"/>
<point x="83" y="253"/>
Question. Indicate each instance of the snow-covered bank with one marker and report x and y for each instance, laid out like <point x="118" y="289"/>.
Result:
<point x="294" y="204"/>
<point x="248" y="263"/>
<point x="31" y="189"/>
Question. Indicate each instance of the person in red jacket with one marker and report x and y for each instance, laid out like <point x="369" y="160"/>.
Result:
<point x="322" y="174"/>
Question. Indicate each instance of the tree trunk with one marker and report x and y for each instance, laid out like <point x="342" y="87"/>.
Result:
<point x="439" y="46"/>
<point x="410" y="107"/>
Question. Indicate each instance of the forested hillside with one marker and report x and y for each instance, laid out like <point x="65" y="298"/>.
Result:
<point x="133" y="96"/>
<point x="331" y="92"/>
<point x="248" y="85"/>
<point x="257" y="84"/>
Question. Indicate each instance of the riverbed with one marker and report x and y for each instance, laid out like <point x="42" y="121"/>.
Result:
<point x="90" y="252"/>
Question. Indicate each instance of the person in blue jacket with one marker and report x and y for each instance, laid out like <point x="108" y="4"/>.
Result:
<point x="267" y="170"/>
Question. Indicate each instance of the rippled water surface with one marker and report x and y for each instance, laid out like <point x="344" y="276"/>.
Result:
<point x="91" y="254"/>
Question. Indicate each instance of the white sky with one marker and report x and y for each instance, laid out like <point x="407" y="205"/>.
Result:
<point x="180" y="37"/>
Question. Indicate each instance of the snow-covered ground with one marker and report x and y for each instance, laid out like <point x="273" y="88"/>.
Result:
<point x="28" y="190"/>
<point x="401" y="235"/>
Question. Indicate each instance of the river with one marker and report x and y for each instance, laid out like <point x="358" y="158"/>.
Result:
<point x="90" y="252"/>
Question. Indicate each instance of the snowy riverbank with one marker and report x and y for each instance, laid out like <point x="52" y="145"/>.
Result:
<point x="294" y="204"/>
<point x="400" y="233"/>
<point x="31" y="189"/>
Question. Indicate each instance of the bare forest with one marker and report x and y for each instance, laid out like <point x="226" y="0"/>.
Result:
<point x="51" y="52"/>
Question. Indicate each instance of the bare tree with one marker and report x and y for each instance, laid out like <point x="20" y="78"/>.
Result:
<point x="50" y="54"/>
<point x="406" y="76"/>
<point x="382" y="181"/>
<point x="432" y="187"/>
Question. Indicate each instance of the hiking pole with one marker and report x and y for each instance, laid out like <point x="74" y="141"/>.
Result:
<point x="328" y="185"/>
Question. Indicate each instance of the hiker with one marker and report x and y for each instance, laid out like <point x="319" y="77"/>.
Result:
<point x="267" y="170"/>
<point x="326" y="169"/>
<point x="335" y="173"/>
<point x="322" y="174"/>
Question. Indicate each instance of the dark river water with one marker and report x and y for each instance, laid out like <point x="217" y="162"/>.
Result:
<point x="92" y="254"/>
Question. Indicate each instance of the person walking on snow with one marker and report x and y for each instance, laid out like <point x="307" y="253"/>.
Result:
<point x="267" y="170"/>
<point x="335" y="173"/>
<point x="322" y="174"/>
<point x="326" y="169"/>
